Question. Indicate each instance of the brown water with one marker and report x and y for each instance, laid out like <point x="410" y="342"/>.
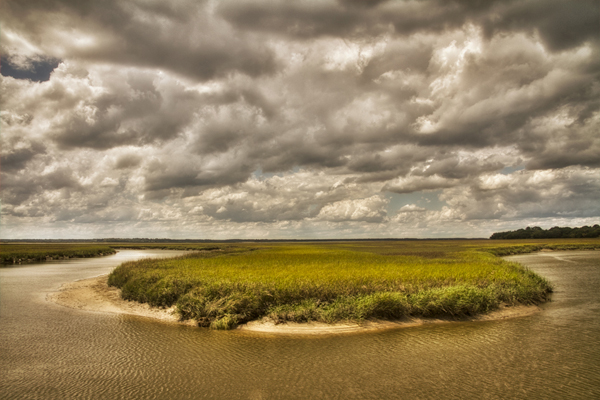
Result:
<point x="51" y="352"/>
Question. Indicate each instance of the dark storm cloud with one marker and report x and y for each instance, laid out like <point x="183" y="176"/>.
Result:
<point x="128" y="161"/>
<point x="18" y="153"/>
<point x="59" y="179"/>
<point x="130" y="110"/>
<point x="179" y="173"/>
<point x="362" y="3"/>
<point x="17" y="158"/>
<point x="501" y="118"/>
<point x="575" y="143"/>
<point x="561" y="157"/>
<point x="244" y="210"/>
<point x="182" y="38"/>
<point x="561" y="24"/>
<point x="18" y="188"/>
<point x="298" y="19"/>
<point x="309" y="19"/>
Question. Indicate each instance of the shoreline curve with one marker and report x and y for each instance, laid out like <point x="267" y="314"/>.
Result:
<point x="94" y="295"/>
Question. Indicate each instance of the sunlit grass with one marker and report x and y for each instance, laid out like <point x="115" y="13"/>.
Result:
<point x="334" y="281"/>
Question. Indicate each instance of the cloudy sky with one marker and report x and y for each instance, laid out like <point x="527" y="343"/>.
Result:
<point x="298" y="119"/>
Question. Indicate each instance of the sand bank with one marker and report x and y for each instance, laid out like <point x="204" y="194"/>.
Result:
<point x="94" y="294"/>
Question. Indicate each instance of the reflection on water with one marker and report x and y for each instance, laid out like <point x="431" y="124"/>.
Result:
<point x="51" y="352"/>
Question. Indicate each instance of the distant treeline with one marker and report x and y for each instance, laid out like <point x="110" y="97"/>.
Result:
<point x="553" y="233"/>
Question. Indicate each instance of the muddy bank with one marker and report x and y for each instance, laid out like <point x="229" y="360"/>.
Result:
<point x="95" y="295"/>
<point x="316" y="328"/>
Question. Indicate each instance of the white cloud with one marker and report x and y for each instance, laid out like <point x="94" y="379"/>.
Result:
<point x="371" y="209"/>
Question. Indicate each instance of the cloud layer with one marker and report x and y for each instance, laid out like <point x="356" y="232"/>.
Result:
<point x="306" y="119"/>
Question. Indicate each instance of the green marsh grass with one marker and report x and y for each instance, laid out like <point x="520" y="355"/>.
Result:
<point x="165" y="246"/>
<point x="338" y="281"/>
<point x="14" y="253"/>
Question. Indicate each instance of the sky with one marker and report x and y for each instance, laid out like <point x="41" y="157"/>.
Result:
<point x="297" y="119"/>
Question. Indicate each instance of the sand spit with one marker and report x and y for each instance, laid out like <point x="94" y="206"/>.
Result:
<point x="94" y="294"/>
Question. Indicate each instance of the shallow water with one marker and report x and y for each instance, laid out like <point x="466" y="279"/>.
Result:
<point x="52" y="352"/>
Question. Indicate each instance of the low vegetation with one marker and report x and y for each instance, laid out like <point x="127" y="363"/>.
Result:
<point x="165" y="246"/>
<point x="336" y="281"/>
<point x="27" y="252"/>
<point x="16" y="253"/>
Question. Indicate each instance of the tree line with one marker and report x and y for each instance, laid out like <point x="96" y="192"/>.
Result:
<point x="557" y="232"/>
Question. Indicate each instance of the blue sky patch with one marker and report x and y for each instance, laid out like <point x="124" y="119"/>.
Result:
<point x="38" y="71"/>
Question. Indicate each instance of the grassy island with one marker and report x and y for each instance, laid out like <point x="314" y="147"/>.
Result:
<point x="338" y="281"/>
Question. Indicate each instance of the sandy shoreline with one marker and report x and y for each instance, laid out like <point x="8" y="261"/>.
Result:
<point x="95" y="295"/>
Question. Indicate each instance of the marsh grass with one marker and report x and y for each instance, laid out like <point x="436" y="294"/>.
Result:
<point x="331" y="281"/>
<point x="15" y="253"/>
<point x="165" y="246"/>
